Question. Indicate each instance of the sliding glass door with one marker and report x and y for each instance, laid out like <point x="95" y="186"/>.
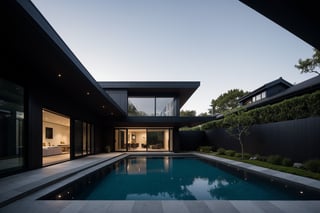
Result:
<point x="55" y="137"/>
<point x="83" y="138"/>
<point x="121" y="139"/>
<point x="143" y="139"/>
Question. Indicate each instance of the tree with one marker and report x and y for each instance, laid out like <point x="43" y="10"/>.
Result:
<point x="132" y="110"/>
<point x="188" y="113"/>
<point x="226" y="101"/>
<point x="204" y="114"/>
<point x="238" y="125"/>
<point x="310" y="65"/>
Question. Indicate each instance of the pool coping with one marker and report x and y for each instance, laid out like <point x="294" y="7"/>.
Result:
<point x="29" y="203"/>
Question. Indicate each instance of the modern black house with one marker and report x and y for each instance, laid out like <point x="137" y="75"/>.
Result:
<point x="50" y="105"/>
<point x="53" y="110"/>
<point x="268" y="90"/>
<point x="152" y="110"/>
<point x="278" y="90"/>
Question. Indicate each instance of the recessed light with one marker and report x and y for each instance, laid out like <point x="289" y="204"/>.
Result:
<point x="87" y="93"/>
<point x="59" y="75"/>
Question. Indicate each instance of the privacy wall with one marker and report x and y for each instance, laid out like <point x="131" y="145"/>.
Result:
<point x="295" y="139"/>
<point x="191" y="140"/>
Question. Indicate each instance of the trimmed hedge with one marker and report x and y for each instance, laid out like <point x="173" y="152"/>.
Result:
<point x="275" y="159"/>
<point x="299" y="107"/>
<point x="287" y="162"/>
<point x="221" y="151"/>
<point x="230" y="152"/>
<point x="312" y="165"/>
<point x="205" y="149"/>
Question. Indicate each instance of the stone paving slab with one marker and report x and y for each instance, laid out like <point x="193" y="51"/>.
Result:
<point x="218" y="206"/>
<point x="17" y="186"/>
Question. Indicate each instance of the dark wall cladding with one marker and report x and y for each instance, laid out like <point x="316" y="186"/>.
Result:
<point x="191" y="140"/>
<point x="120" y="97"/>
<point x="295" y="139"/>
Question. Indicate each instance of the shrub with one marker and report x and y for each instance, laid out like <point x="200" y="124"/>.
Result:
<point x="274" y="159"/>
<point x="230" y="152"/>
<point x="287" y="162"/>
<point x="255" y="157"/>
<point x="221" y="151"/>
<point x="312" y="165"/>
<point x="262" y="158"/>
<point x="246" y="155"/>
<point x="205" y="148"/>
<point x="238" y="155"/>
<point x="212" y="124"/>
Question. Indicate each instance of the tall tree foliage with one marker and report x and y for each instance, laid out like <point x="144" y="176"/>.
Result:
<point x="226" y="101"/>
<point x="188" y="113"/>
<point x="310" y="65"/>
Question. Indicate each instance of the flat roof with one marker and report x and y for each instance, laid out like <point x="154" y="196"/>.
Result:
<point x="182" y="89"/>
<point x="298" y="17"/>
<point x="42" y="60"/>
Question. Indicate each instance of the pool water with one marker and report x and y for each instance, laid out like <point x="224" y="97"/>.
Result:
<point x="180" y="178"/>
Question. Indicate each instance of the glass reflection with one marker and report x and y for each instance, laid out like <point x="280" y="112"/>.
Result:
<point x="141" y="139"/>
<point x="164" y="179"/>
<point x="165" y="107"/>
<point x="152" y="106"/>
<point x="179" y="178"/>
<point x="141" y="107"/>
<point x="11" y="126"/>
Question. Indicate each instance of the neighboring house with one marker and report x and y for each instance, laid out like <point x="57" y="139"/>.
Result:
<point x="268" y="90"/>
<point x="51" y="106"/>
<point x="277" y="91"/>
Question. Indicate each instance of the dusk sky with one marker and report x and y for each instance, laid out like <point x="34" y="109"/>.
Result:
<point x="224" y="44"/>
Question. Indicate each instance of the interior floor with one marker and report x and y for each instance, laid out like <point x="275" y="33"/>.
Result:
<point x="48" y="160"/>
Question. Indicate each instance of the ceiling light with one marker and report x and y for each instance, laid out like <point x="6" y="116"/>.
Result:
<point x="87" y="93"/>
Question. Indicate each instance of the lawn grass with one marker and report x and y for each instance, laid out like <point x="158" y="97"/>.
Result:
<point x="291" y="170"/>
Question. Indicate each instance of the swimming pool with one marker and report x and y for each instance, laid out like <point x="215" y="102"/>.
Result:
<point x="177" y="178"/>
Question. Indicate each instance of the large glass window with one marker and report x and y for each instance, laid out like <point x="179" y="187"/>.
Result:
<point x="121" y="140"/>
<point x="157" y="139"/>
<point x="55" y="138"/>
<point x="165" y="107"/>
<point x="143" y="139"/>
<point x="152" y="106"/>
<point x="141" y="107"/>
<point x="11" y="126"/>
<point x="137" y="140"/>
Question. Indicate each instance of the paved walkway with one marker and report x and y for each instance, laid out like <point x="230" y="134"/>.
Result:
<point x="19" y="193"/>
<point x="17" y="186"/>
